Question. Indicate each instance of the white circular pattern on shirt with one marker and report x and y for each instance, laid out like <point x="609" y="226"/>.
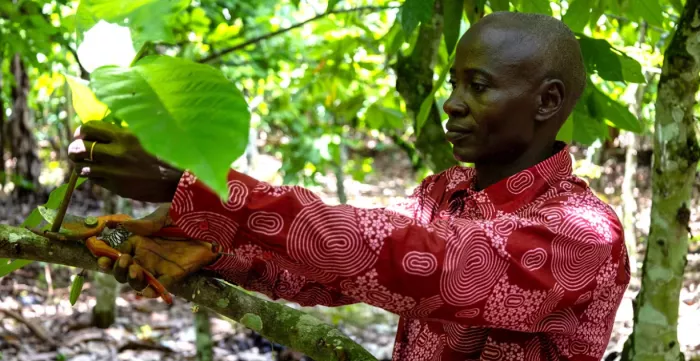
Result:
<point x="468" y="313"/>
<point x="237" y="195"/>
<point x="419" y="263"/>
<point x="553" y="216"/>
<point x="534" y="259"/>
<point x="563" y="322"/>
<point x="314" y="296"/>
<point x="305" y="196"/>
<point x="182" y="201"/>
<point x="464" y="338"/>
<point x="583" y="298"/>
<point x="210" y="226"/>
<point x="471" y="267"/>
<point x="579" y="348"/>
<point x="577" y="254"/>
<point x="267" y="223"/>
<point x="504" y="226"/>
<point x="328" y="238"/>
<point x="398" y="220"/>
<point x="425" y="307"/>
<point x="518" y="183"/>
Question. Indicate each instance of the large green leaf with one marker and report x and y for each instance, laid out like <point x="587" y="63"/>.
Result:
<point x="566" y="132"/>
<point x="601" y="58"/>
<point x="7" y="266"/>
<point x="474" y="10"/>
<point x="535" y="6"/>
<point x="188" y="114"/>
<point x="85" y="102"/>
<point x="616" y="113"/>
<point x="149" y="20"/>
<point x="577" y="15"/>
<point x="453" y="22"/>
<point x="331" y="4"/>
<point x="53" y="202"/>
<point x="414" y="12"/>
<point x="586" y="129"/>
<point x="500" y="5"/>
<point x="649" y="10"/>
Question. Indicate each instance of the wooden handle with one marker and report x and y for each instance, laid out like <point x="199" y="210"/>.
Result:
<point x="100" y="249"/>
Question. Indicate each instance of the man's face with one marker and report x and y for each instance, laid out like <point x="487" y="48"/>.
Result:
<point x="493" y="103"/>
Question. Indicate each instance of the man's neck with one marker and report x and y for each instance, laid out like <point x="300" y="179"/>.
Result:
<point x="488" y="174"/>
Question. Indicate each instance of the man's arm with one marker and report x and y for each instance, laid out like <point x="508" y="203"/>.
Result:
<point x="525" y="274"/>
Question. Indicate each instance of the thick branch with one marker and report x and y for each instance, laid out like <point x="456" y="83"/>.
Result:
<point x="284" y="30"/>
<point x="274" y="321"/>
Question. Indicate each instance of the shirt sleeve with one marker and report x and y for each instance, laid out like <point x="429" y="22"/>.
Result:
<point x="534" y="272"/>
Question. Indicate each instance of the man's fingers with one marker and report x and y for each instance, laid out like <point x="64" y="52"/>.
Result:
<point x="137" y="281"/>
<point x="80" y="151"/>
<point x="121" y="268"/>
<point x="149" y="224"/>
<point x="149" y="292"/>
<point x="105" y="264"/>
<point x="97" y="130"/>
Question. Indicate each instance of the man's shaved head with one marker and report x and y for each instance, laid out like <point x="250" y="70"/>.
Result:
<point x="516" y="78"/>
<point x="561" y="53"/>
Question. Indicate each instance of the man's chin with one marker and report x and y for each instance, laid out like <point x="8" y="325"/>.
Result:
<point x="464" y="156"/>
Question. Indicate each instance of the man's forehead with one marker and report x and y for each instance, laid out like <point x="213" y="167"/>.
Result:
<point x="497" y="44"/>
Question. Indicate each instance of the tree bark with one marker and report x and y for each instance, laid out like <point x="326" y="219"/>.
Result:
<point x="274" y="321"/>
<point x="676" y="154"/>
<point x="105" y="311"/>
<point x="415" y="83"/>
<point x="202" y="329"/>
<point x="23" y="146"/>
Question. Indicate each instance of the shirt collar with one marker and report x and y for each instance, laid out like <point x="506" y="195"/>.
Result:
<point x="511" y="193"/>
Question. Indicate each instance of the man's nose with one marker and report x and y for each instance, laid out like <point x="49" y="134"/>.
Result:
<point x="455" y="108"/>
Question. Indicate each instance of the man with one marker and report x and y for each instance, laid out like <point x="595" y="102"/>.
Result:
<point x="514" y="259"/>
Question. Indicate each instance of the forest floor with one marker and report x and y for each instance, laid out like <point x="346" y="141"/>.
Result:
<point x="37" y="321"/>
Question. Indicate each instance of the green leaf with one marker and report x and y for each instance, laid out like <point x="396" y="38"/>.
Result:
<point x="414" y="12"/>
<point x="616" y="113"/>
<point x="7" y="266"/>
<point x="428" y="101"/>
<point x="577" y="15"/>
<point x="535" y="6"/>
<point x="566" y="132"/>
<point x="381" y="117"/>
<point x="53" y="202"/>
<point x="453" y="22"/>
<point x="631" y="70"/>
<point x="474" y="10"/>
<point x="599" y="58"/>
<point x="500" y="5"/>
<point x="649" y="10"/>
<point x="586" y="129"/>
<point x="331" y="4"/>
<point x="149" y="20"/>
<point x="188" y="114"/>
<point x="85" y="102"/>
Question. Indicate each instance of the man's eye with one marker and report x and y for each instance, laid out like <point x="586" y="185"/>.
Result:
<point x="478" y="87"/>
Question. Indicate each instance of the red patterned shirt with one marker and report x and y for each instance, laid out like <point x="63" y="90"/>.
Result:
<point x="533" y="267"/>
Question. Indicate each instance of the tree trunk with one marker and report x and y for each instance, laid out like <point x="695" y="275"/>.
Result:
<point x="23" y="146"/>
<point x="676" y="154"/>
<point x="629" y="201"/>
<point x="415" y="83"/>
<point x="3" y="135"/>
<point x="105" y="312"/>
<point x="202" y="329"/>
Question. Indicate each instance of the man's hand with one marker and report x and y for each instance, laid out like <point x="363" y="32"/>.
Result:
<point x="113" y="158"/>
<point x="166" y="259"/>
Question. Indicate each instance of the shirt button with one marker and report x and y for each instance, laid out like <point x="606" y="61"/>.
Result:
<point x="203" y="225"/>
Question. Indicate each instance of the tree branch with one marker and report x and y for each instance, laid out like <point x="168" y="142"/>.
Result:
<point x="282" y="31"/>
<point x="274" y="321"/>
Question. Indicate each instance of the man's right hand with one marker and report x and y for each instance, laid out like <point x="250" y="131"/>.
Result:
<point x="120" y="164"/>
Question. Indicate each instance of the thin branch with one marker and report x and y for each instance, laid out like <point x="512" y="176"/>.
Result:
<point x="35" y="328"/>
<point x="274" y="321"/>
<point x="282" y="31"/>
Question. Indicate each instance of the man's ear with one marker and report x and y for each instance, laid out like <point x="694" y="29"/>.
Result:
<point x="550" y="99"/>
